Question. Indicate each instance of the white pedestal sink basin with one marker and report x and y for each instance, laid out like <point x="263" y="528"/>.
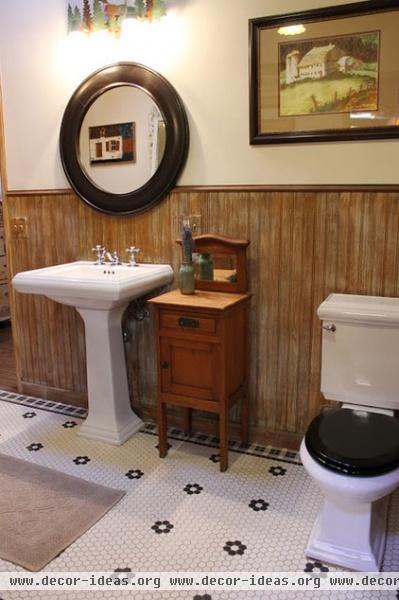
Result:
<point x="100" y="293"/>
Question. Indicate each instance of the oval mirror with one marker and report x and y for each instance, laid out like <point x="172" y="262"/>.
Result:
<point x="124" y="138"/>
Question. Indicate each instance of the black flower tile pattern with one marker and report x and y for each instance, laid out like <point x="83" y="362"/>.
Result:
<point x="134" y="474"/>
<point x="276" y="471"/>
<point x="81" y="460"/>
<point x="193" y="488"/>
<point x="28" y="415"/>
<point x="230" y="506"/>
<point x="318" y="567"/>
<point x="215" y="458"/>
<point x="162" y="527"/>
<point x="234" y="548"/>
<point x="69" y="424"/>
<point x="35" y="447"/>
<point x="258" y="505"/>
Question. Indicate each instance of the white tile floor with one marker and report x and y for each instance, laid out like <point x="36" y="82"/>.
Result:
<point x="179" y="513"/>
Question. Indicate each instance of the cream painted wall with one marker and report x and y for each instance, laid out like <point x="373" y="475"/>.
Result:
<point x="205" y="56"/>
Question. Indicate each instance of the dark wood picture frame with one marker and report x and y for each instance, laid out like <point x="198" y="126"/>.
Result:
<point x="293" y="129"/>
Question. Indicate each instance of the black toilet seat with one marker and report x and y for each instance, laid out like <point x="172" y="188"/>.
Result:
<point x="354" y="442"/>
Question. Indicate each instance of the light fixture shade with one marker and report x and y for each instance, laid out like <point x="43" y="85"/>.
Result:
<point x="90" y="16"/>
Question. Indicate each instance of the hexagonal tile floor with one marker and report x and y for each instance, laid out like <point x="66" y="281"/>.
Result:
<point x="179" y="513"/>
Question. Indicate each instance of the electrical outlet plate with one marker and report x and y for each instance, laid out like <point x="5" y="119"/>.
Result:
<point x="19" y="227"/>
<point x="193" y="221"/>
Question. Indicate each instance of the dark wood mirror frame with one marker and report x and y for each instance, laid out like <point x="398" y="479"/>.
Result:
<point x="216" y="245"/>
<point x="176" y="147"/>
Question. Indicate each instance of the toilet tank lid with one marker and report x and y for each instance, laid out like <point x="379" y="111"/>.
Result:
<point x="363" y="309"/>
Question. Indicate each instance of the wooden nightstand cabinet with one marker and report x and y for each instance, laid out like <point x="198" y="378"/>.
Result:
<point x="202" y="357"/>
<point x="201" y="340"/>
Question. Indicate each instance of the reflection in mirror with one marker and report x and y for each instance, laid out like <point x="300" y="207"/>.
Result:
<point x="122" y="140"/>
<point x="216" y="267"/>
<point x="157" y="134"/>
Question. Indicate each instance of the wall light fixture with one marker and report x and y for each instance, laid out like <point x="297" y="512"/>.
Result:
<point x="93" y="16"/>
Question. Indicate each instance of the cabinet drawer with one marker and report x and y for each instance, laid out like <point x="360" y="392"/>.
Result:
<point x="187" y="322"/>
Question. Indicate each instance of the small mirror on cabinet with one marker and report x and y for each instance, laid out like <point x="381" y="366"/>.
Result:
<point x="219" y="263"/>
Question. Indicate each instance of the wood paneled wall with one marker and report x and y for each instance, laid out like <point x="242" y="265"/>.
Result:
<point x="305" y="244"/>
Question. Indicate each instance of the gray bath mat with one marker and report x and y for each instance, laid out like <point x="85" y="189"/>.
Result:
<point x="43" y="511"/>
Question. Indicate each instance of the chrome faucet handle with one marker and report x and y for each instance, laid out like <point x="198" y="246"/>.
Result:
<point x="133" y="251"/>
<point x="100" y="253"/>
<point x="113" y="258"/>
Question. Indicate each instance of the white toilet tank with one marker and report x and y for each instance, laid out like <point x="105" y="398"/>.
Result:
<point x="360" y="350"/>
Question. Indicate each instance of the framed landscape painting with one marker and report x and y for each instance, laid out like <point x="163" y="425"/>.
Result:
<point x="324" y="75"/>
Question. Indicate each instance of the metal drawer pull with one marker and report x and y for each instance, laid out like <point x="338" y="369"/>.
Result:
<point x="185" y="322"/>
<point x="164" y="365"/>
<point x="330" y="327"/>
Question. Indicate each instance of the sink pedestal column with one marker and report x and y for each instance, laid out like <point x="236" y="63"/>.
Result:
<point x="110" y="417"/>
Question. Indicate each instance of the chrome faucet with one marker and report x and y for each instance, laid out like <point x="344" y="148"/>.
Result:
<point x="133" y="251"/>
<point x="113" y="258"/>
<point x="100" y="253"/>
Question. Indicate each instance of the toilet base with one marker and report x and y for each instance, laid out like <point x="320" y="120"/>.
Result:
<point x="350" y="536"/>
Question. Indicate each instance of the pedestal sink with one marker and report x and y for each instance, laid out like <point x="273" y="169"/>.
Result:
<point x="100" y="293"/>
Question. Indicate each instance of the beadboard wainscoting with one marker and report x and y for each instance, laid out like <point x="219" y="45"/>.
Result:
<point x="305" y="243"/>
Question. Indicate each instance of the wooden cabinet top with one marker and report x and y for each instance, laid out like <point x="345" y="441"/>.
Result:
<point x="200" y="299"/>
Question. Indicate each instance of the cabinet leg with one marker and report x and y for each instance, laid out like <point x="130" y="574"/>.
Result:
<point x="245" y="418"/>
<point x="224" y="439"/>
<point x="187" y="420"/>
<point x="162" y="431"/>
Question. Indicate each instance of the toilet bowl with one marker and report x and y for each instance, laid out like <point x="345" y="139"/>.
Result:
<point x="352" y="451"/>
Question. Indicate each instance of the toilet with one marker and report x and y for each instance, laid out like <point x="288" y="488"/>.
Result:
<point x="352" y="451"/>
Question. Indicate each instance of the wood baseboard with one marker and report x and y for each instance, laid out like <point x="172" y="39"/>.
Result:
<point x="54" y="394"/>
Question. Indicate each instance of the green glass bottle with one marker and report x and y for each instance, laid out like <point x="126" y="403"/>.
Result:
<point x="186" y="278"/>
<point x="206" y="267"/>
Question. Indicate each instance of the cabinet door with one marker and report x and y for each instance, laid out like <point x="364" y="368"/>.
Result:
<point x="190" y="368"/>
